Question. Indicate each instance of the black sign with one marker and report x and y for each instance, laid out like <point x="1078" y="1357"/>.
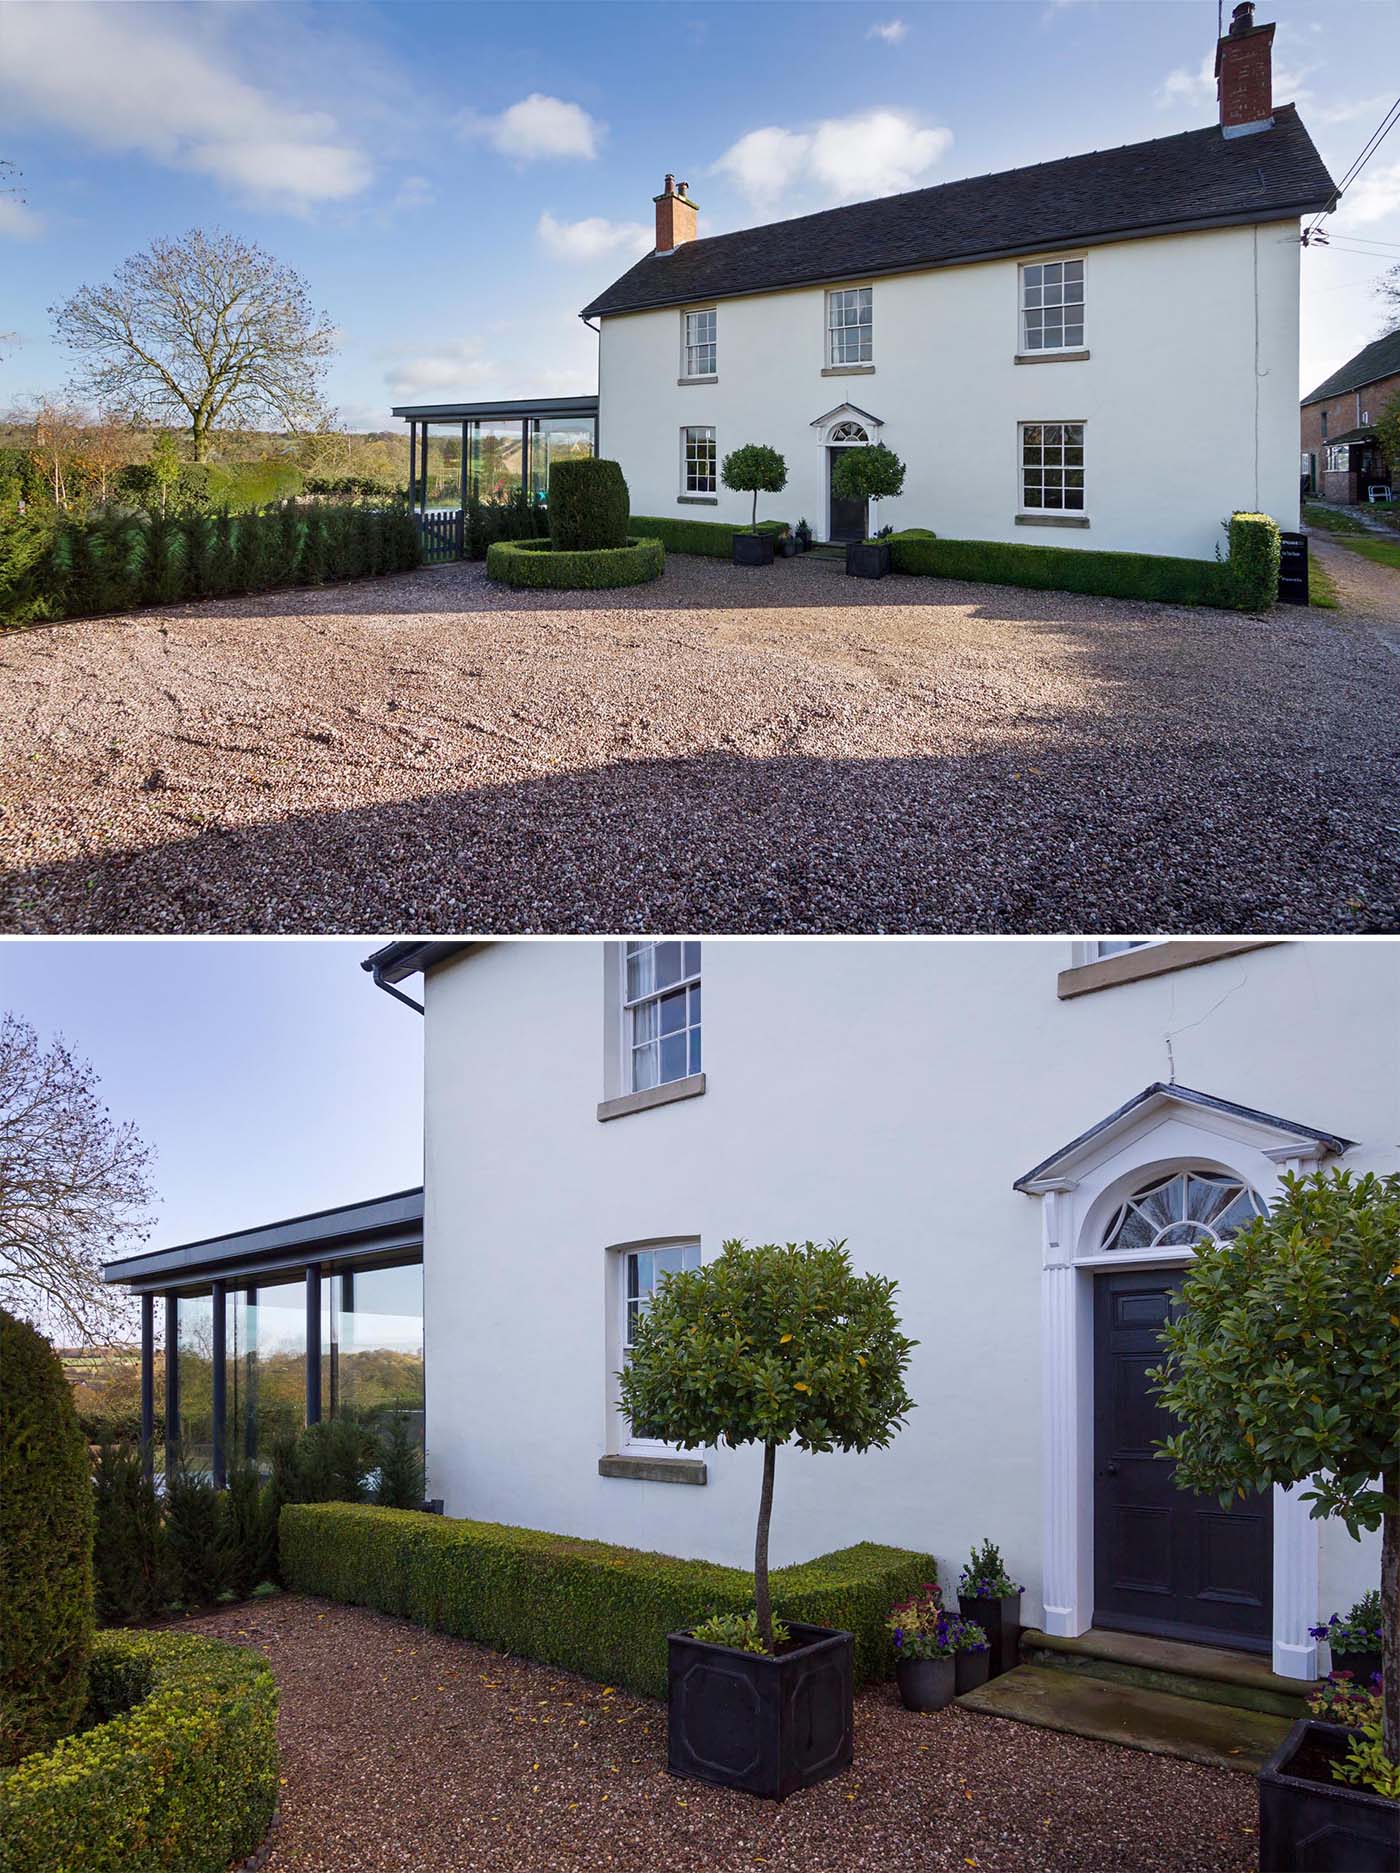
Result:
<point x="1293" y="569"/>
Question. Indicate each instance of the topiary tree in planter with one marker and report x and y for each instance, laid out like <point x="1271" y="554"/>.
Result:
<point x="1285" y="1368"/>
<point x="588" y="505"/>
<point x="770" y="1345"/>
<point x="754" y="469"/>
<point x="873" y="473"/>
<point x="46" y="1522"/>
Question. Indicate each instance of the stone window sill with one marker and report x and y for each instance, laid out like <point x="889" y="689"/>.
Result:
<point x="849" y="370"/>
<point x="1051" y="357"/>
<point x="655" y="1469"/>
<point x="1052" y="520"/>
<point x="698" y="500"/>
<point x="699" y="380"/>
<point x="689" y="1088"/>
<point x="1160" y="959"/>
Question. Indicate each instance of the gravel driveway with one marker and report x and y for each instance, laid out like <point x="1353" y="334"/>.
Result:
<point x="404" y="1750"/>
<point x="727" y="749"/>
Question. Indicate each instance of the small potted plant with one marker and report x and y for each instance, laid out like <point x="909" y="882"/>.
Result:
<point x="754" y="469"/>
<point x="1355" y="1642"/>
<point x="1330" y="1783"/>
<point x="873" y="473"/>
<point x="769" y="1345"/>
<point x="804" y="535"/>
<point x="971" y="1654"/>
<point x="787" y="543"/>
<point x="989" y="1596"/>
<point x="924" y="1666"/>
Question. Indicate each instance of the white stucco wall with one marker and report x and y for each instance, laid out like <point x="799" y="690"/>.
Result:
<point x="884" y="1091"/>
<point x="1190" y="394"/>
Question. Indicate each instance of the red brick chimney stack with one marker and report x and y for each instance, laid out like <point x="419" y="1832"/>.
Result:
<point x="1244" y="75"/>
<point x="675" y="216"/>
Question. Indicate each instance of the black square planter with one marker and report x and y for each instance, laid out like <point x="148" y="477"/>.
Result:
<point x="1001" y="1621"/>
<point x="864" y="561"/>
<point x="769" y="1725"/>
<point x="1363" y="1666"/>
<point x="753" y="549"/>
<point x="1310" y="1824"/>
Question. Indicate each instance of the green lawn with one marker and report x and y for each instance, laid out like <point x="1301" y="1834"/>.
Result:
<point x="1330" y="520"/>
<point x="1322" y="587"/>
<point x="1383" y="552"/>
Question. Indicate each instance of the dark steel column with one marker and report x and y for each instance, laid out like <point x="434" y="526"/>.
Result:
<point x="250" y="1376"/>
<point x="148" y="1381"/>
<point x="313" y="1343"/>
<point x="412" y="461"/>
<point x="220" y="1354"/>
<point x="462" y="501"/>
<point x="172" y="1384"/>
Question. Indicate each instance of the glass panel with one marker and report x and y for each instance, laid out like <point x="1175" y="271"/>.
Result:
<point x="1134" y="1232"/>
<point x="266" y="1367"/>
<point x="644" y="1023"/>
<point x="194" y="1316"/>
<point x="1183" y="1236"/>
<point x="1241" y="1210"/>
<point x="692" y="959"/>
<point x="1074" y="335"/>
<point x="695" y="1050"/>
<point x="640" y="966"/>
<point x="668" y="964"/>
<point x="440" y="466"/>
<point x="644" y="1067"/>
<point x="1033" y="296"/>
<point x="673" y="1012"/>
<point x="376" y="1337"/>
<point x="1034" y="275"/>
<point x="666" y="1262"/>
<point x="673" y="1057"/>
<point x="1032" y="434"/>
<point x="695" y="1005"/>
<point x="1074" y="270"/>
<point x="1206" y="1195"/>
<point x="493" y="465"/>
<point x="556" y="439"/>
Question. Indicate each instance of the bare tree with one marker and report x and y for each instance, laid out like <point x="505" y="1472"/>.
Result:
<point x="57" y="438"/>
<point x="205" y="331"/>
<point x="74" y="1187"/>
<point x="1388" y="289"/>
<point x="105" y="447"/>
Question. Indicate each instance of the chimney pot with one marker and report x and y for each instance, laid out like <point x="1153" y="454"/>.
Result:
<point x="675" y="216"/>
<point x="668" y="186"/>
<point x="1242" y="19"/>
<point x="1244" y="79"/>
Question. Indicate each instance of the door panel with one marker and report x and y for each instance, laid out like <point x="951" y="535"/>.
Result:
<point x="1165" y="1560"/>
<point x="848" y="518"/>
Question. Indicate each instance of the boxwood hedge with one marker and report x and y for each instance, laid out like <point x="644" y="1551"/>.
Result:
<point x="587" y="1606"/>
<point x="712" y="538"/>
<point x="587" y="504"/>
<point x="177" y="1772"/>
<point x="536" y="565"/>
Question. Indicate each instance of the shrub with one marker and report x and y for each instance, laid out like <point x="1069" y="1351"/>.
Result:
<point x="1066" y="569"/>
<point x="754" y="469"/>
<point x="587" y="505"/>
<point x="132" y="1572"/>
<point x="517" y="517"/>
<point x="537" y="565"/>
<point x="197" y="1537"/>
<point x="712" y="539"/>
<point x="873" y="473"/>
<point x="399" y="1481"/>
<point x="45" y="1547"/>
<point x="180" y="1771"/>
<point x="586" y="1606"/>
<point x="1254" y="557"/>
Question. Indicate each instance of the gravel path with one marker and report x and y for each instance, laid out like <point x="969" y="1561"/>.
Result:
<point x="403" y="1750"/>
<point x="1364" y="586"/>
<point x="724" y="750"/>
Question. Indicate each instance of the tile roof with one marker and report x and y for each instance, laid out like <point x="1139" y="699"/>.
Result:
<point x="1197" y="179"/>
<point x="1381" y="358"/>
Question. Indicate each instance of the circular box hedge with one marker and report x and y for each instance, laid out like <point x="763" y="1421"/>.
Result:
<point x="535" y="565"/>
<point x="178" y="1772"/>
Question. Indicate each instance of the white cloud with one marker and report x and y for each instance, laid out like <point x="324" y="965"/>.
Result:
<point x="1374" y="195"/>
<point x="593" y="238"/>
<point x="452" y="368"/>
<point x="1345" y="112"/>
<point x="415" y="192"/>
<point x="843" y="159"/>
<point x="1183" y="86"/>
<point x="537" y="128"/>
<point x="128" y="81"/>
<point x="16" y="221"/>
<point x="892" y="31"/>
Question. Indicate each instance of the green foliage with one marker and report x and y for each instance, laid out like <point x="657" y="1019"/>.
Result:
<point x="516" y="517"/>
<point x="984" y="1575"/>
<point x="873" y="473"/>
<point x="325" y="1462"/>
<point x="754" y="469"/>
<point x="1255" y="546"/>
<point x="165" y="466"/>
<point x="131" y="1563"/>
<point x="179" y="1771"/>
<point x="588" y="505"/>
<point x="251" y="1507"/>
<point x="739" y="1631"/>
<point x="46" y="1523"/>
<point x="399" y="1483"/>
<point x="1366" y="1764"/>
<point x="586" y="1606"/>
<point x="162" y="564"/>
<point x="709" y="538"/>
<point x="771" y="1345"/>
<point x="1066" y="569"/>
<point x="537" y="565"/>
<point x="222" y="556"/>
<point x="29" y="580"/>
<point x="311" y="569"/>
<point x="918" y="1625"/>
<point x="1388" y="430"/>
<point x="1330" y="519"/>
<point x="198" y="1538"/>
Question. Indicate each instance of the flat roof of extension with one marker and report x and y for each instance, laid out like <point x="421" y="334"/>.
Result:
<point x="376" y="1227"/>
<point x="513" y="406"/>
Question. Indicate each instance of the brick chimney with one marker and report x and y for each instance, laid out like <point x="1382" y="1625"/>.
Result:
<point x="675" y="215"/>
<point x="1244" y="76"/>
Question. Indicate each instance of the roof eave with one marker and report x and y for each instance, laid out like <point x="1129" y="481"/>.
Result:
<point x="410" y="956"/>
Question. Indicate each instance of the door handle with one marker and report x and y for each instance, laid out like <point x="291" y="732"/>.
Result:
<point x="1109" y="1469"/>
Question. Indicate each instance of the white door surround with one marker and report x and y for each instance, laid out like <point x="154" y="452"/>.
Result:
<point x="845" y="427"/>
<point x="1163" y="1129"/>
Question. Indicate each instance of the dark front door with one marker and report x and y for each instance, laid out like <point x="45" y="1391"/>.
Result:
<point x="848" y="520"/>
<point x="1165" y="1561"/>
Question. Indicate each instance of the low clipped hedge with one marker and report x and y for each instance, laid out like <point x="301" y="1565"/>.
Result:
<point x="712" y="538"/>
<point x="1066" y="569"/>
<point x="1255" y="548"/>
<point x="584" y="1605"/>
<point x="178" y="1771"/>
<point x="588" y="504"/>
<point x="538" y="566"/>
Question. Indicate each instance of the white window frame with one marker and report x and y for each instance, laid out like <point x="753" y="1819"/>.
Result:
<point x="693" y="349"/>
<point x="689" y="979"/>
<point x="1031" y="281"/>
<point x="1062" y="467"/>
<point x="840" y="298"/>
<point x="698" y="490"/>
<point x="621" y="1441"/>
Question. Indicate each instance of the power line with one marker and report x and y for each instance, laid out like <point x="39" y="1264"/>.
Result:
<point x="1368" y="150"/>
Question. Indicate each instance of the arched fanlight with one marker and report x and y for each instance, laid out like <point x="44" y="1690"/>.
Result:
<point x="1182" y="1209"/>
<point x="848" y="432"/>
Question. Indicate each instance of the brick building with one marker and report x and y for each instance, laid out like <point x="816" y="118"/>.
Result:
<point x="1341" y="457"/>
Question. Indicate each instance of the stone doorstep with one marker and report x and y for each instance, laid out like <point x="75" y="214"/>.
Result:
<point x="1219" y="1735"/>
<point x="1211" y="1674"/>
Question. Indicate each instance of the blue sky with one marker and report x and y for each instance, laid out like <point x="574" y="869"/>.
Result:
<point x="270" y="1077"/>
<point x="455" y="181"/>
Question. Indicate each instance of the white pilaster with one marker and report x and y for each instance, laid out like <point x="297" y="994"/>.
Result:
<point x="1064" y="1613"/>
<point x="1296" y="1561"/>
